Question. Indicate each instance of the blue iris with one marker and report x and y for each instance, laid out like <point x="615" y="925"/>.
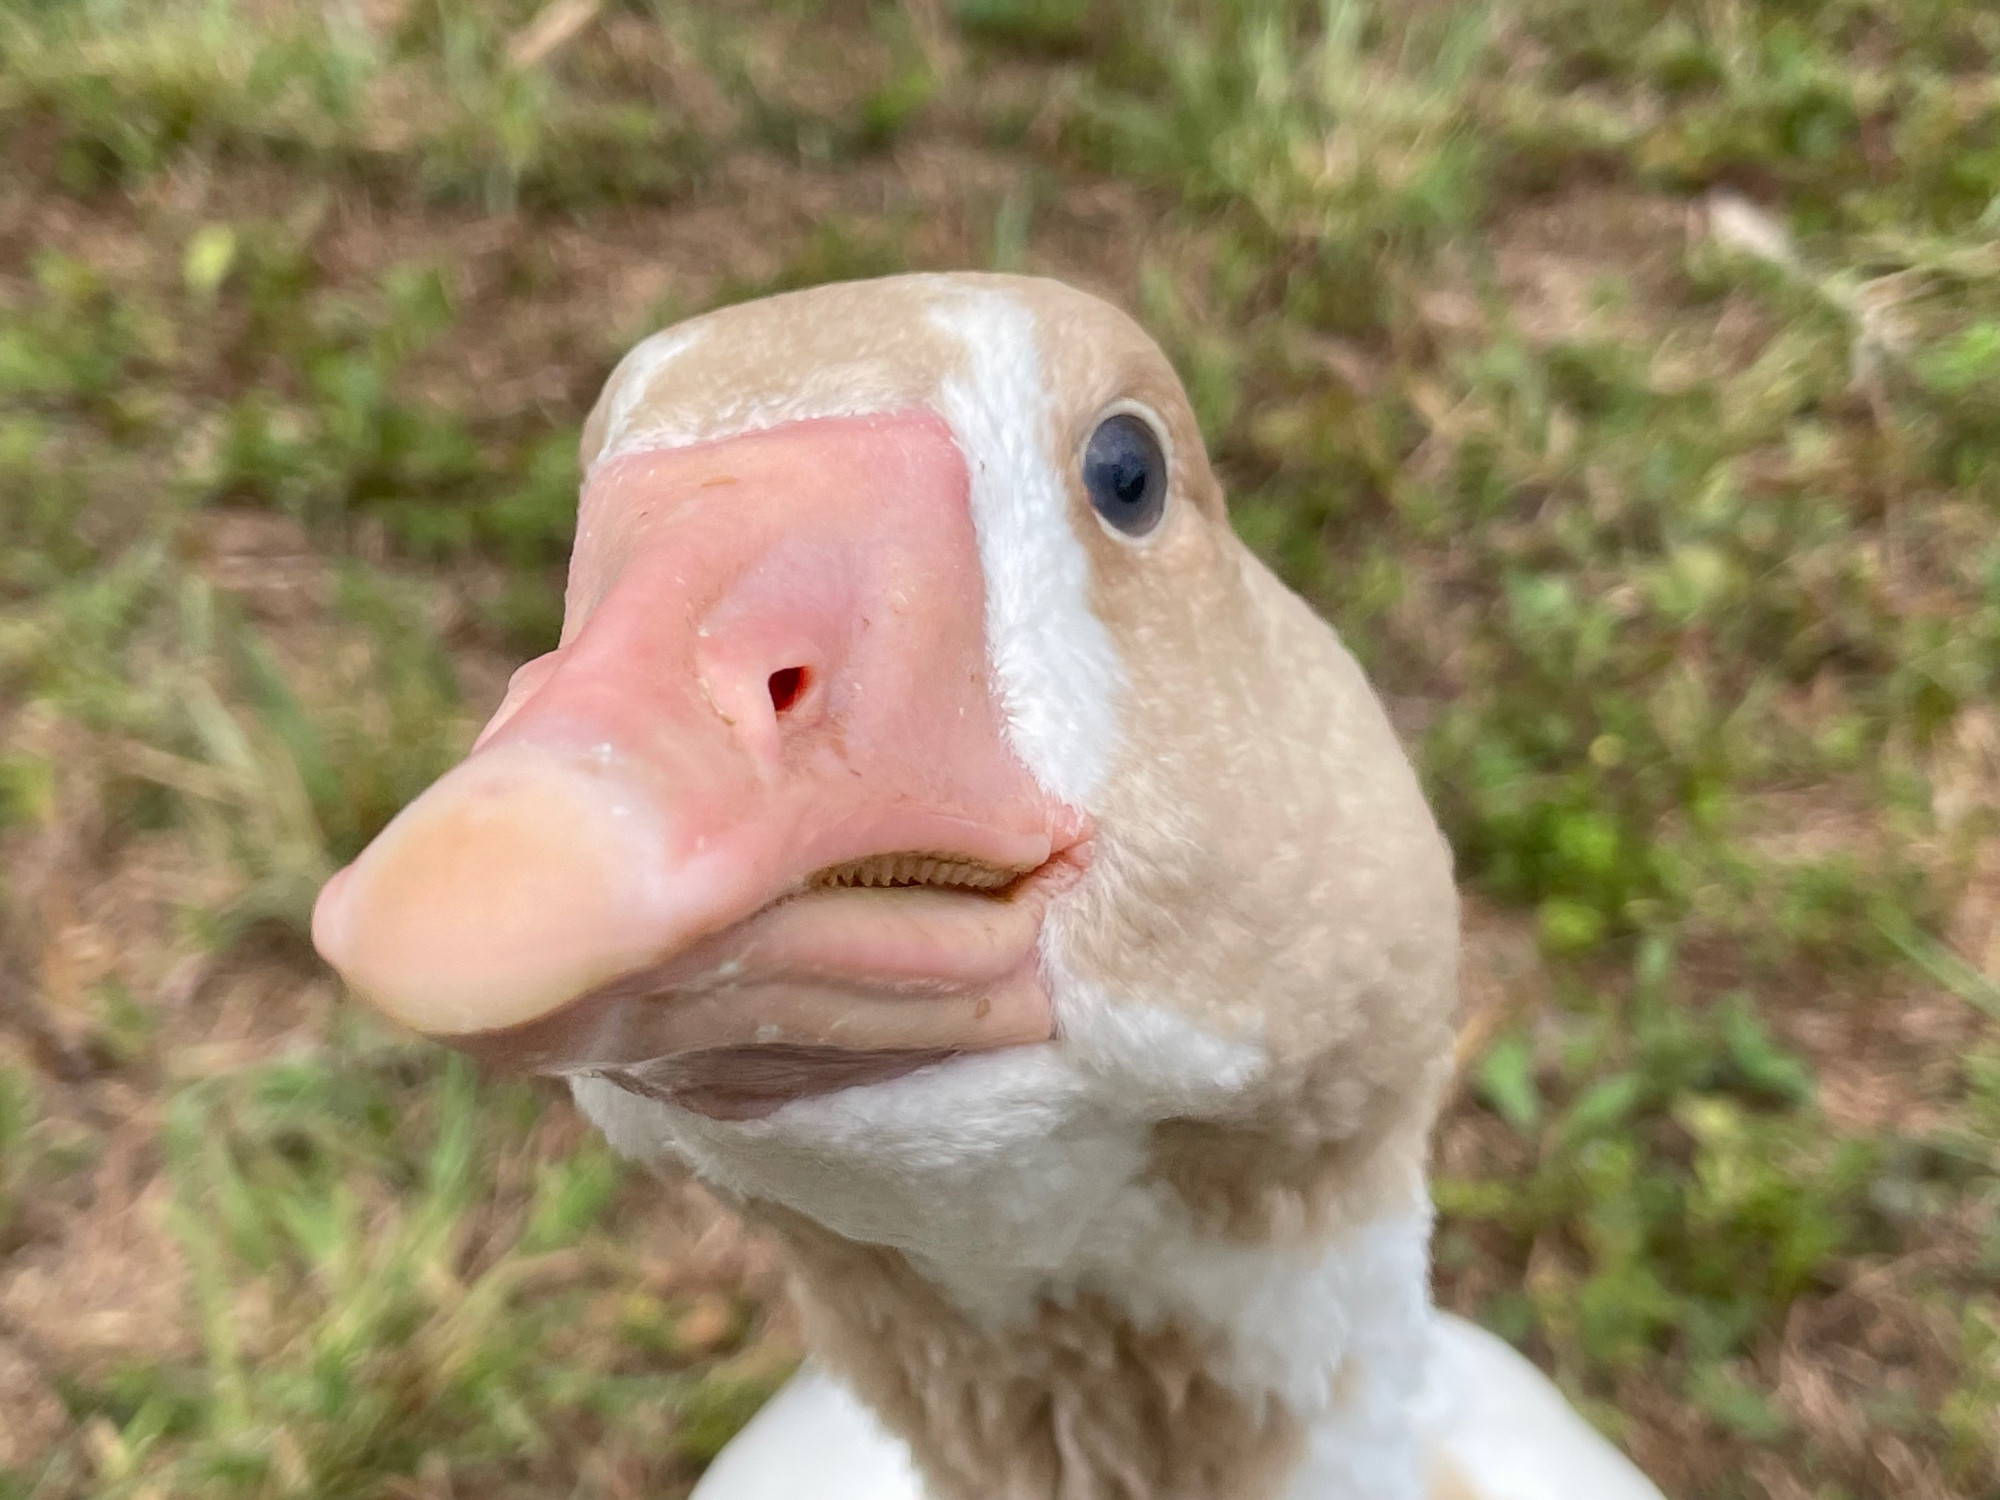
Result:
<point x="1126" y="474"/>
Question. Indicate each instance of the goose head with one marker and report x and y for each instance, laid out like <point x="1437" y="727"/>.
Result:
<point x="934" y="825"/>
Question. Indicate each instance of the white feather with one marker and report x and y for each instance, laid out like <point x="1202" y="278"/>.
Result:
<point x="1489" y="1424"/>
<point x="1500" y="1425"/>
<point x="812" y="1441"/>
<point x="1058" y="673"/>
<point x="647" y="358"/>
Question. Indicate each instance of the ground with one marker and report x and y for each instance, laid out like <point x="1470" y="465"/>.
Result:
<point x="1622" y="377"/>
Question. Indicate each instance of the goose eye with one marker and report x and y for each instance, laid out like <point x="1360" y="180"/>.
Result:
<point x="1126" y="474"/>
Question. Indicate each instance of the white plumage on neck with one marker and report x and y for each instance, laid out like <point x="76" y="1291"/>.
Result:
<point x="1058" y="1205"/>
<point x="1487" y="1425"/>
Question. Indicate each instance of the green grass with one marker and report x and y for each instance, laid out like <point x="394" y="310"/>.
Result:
<point x="1622" y="378"/>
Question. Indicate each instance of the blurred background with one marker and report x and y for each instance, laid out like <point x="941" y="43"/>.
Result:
<point x="1621" y="376"/>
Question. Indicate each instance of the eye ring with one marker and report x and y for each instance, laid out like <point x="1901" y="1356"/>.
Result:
<point x="1124" y="470"/>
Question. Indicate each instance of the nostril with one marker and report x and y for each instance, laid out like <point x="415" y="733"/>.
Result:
<point x="788" y="685"/>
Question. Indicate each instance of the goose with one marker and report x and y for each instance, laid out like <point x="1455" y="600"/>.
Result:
<point x="938" y="831"/>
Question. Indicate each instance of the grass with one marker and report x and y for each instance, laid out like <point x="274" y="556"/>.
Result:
<point x="1622" y="378"/>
